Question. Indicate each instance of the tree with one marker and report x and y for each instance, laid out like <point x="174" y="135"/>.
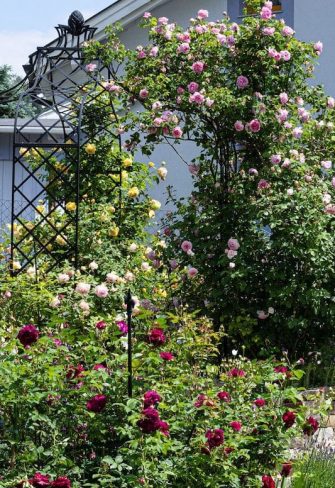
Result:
<point x="8" y="101"/>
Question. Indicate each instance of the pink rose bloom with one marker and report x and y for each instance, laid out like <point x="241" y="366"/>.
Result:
<point x="318" y="47"/>
<point x="154" y="51"/>
<point x="209" y="102"/>
<point x="326" y="164"/>
<point x="275" y="158"/>
<point x="166" y="356"/>
<point x="283" y="97"/>
<point x="330" y="209"/>
<point x="231" y="41"/>
<point x="146" y="15"/>
<point x="282" y="115"/>
<point x="286" y="163"/>
<point x="193" y="169"/>
<point x="83" y="288"/>
<point x="269" y="31"/>
<point x="63" y="278"/>
<point x="101" y="325"/>
<point x="231" y="254"/>
<point x="239" y="126"/>
<point x="333" y="182"/>
<point x="122" y="326"/>
<point x="192" y="87"/>
<point x="192" y="272"/>
<point x="197" y="98"/>
<point x="141" y="55"/>
<point x="233" y="244"/>
<point x="237" y="426"/>
<point x="91" y="67"/>
<point x="330" y="102"/>
<point x="287" y="31"/>
<point x="173" y="263"/>
<point x="198" y="67"/>
<point x="163" y="20"/>
<point x="177" y="132"/>
<point x="242" y="82"/>
<point x="297" y="132"/>
<point x="186" y="246"/>
<point x="101" y="291"/>
<point x="183" y="48"/>
<point x="253" y="171"/>
<point x="326" y="198"/>
<point x="255" y="125"/>
<point x="262" y="315"/>
<point x="308" y="178"/>
<point x="202" y="14"/>
<point x="144" y="93"/>
<point x="180" y="90"/>
<point x="285" y="55"/>
<point x="263" y="184"/>
<point x="266" y="13"/>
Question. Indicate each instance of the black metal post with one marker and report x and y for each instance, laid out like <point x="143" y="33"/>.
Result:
<point x="130" y="307"/>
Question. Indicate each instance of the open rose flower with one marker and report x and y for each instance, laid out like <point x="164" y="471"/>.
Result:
<point x="242" y="82"/>
<point x="215" y="438"/>
<point x="289" y="418"/>
<point x="151" y="398"/>
<point x="157" y="337"/>
<point x="40" y="480"/>
<point x="28" y="335"/>
<point x="166" y="356"/>
<point x="224" y="396"/>
<point x="61" y="482"/>
<point x="286" y="470"/>
<point x="97" y="403"/>
<point x="311" y="426"/>
<point x="268" y="482"/>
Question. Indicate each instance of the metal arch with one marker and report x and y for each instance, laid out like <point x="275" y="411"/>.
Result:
<point x="56" y="74"/>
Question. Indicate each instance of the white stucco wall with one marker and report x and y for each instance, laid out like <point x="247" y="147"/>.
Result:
<point x="314" y="21"/>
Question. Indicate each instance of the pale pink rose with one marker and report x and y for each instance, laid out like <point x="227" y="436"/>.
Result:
<point x="231" y="41"/>
<point x="113" y="277"/>
<point x="290" y="192"/>
<point x="177" y="132"/>
<point x="144" y="93"/>
<point x="308" y="178"/>
<point x="268" y="4"/>
<point x="242" y="82"/>
<point x="326" y="164"/>
<point x="262" y="315"/>
<point x="163" y="20"/>
<point x="221" y="38"/>
<point x="326" y="198"/>
<point x="269" y="31"/>
<point x="300" y="101"/>
<point x="197" y="98"/>
<point x="146" y="15"/>
<point x="192" y="87"/>
<point x="283" y="97"/>
<point x="101" y="291"/>
<point x="231" y="254"/>
<point x="91" y="67"/>
<point x="156" y="106"/>
<point x="93" y="266"/>
<point x="84" y="306"/>
<point x="110" y="87"/>
<point x="333" y="182"/>
<point x="183" y="48"/>
<point x="266" y="13"/>
<point x="193" y="169"/>
<point x="186" y="246"/>
<point x="318" y="47"/>
<point x="180" y="90"/>
<point x="233" y="244"/>
<point x="235" y="27"/>
<point x="209" y="102"/>
<point x="145" y="266"/>
<point x="198" y="67"/>
<point x="63" y="278"/>
<point x="285" y="55"/>
<point x="253" y="172"/>
<point x="83" y="288"/>
<point x="330" y="209"/>
<point x="239" y="126"/>
<point x="330" y="102"/>
<point x="154" y="51"/>
<point x="297" y="132"/>
<point x="173" y="263"/>
<point x="192" y="272"/>
<point x="55" y="302"/>
<point x="275" y="158"/>
<point x="287" y="31"/>
<point x="141" y="55"/>
<point x="286" y="164"/>
<point x="288" y="125"/>
<point x="129" y="276"/>
<point x="202" y="14"/>
<point x="7" y="294"/>
<point x="263" y="184"/>
<point x="255" y="125"/>
<point x="282" y="115"/>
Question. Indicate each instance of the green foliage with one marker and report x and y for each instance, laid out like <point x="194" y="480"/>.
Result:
<point x="8" y="110"/>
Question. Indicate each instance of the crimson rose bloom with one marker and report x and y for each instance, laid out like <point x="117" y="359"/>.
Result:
<point x="61" y="482"/>
<point x="28" y="335"/>
<point x="164" y="428"/>
<point x="151" y="398"/>
<point x="311" y="426"/>
<point x="101" y="325"/>
<point x="167" y="356"/>
<point x="260" y="402"/>
<point x="75" y="372"/>
<point x="289" y="418"/>
<point x="237" y="426"/>
<point x="156" y="337"/>
<point x="214" y="438"/>
<point x="286" y="469"/>
<point x="235" y="373"/>
<point x="224" y="396"/>
<point x="268" y="482"/>
<point x="97" y="403"/>
<point x="203" y="400"/>
<point x="40" y="480"/>
<point x="150" y="421"/>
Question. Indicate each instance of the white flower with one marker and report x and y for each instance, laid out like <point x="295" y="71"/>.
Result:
<point x="112" y="278"/>
<point x="63" y="278"/>
<point x="290" y="191"/>
<point x="93" y="266"/>
<point x="84" y="306"/>
<point x="271" y="310"/>
<point x="145" y="266"/>
<point x="129" y="276"/>
<point x="133" y="247"/>
<point x="55" y="302"/>
<point x="234" y="352"/>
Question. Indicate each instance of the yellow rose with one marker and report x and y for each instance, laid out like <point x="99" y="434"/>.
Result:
<point x="151" y="214"/>
<point x="133" y="192"/>
<point x="71" y="206"/>
<point x="114" y="232"/>
<point x="111" y="209"/>
<point x="30" y="225"/>
<point x="90" y="148"/>
<point x="155" y="204"/>
<point x="23" y="151"/>
<point x="127" y="162"/>
<point x="60" y="240"/>
<point x="151" y="164"/>
<point x="124" y="175"/>
<point x="40" y="208"/>
<point x="162" y="172"/>
<point x="16" y="265"/>
<point x="49" y="247"/>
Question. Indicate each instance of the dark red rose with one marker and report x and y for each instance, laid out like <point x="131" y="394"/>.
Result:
<point x="228" y="450"/>
<point x="260" y="402"/>
<point x="214" y="438"/>
<point x="157" y="337"/>
<point x="151" y="398"/>
<point x="203" y="400"/>
<point x="164" y="428"/>
<point x="236" y="373"/>
<point x="237" y="426"/>
<point x="286" y="469"/>
<point x="289" y="418"/>
<point x="96" y="367"/>
<point x="268" y="482"/>
<point x="167" y="356"/>
<point x="97" y="403"/>
<point x="75" y="372"/>
<point x="283" y="370"/>
<point x="224" y="396"/>
<point x="311" y="426"/>
<point x="150" y="421"/>
<point x="61" y="482"/>
<point x="40" y="480"/>
<point x="28" y="335"/>
<point x="101" y="325"/>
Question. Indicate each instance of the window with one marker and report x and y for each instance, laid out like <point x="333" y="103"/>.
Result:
<point x="276" y="7"/>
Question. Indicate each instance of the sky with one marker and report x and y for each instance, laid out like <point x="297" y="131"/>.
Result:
<point x="26" y="24"/>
